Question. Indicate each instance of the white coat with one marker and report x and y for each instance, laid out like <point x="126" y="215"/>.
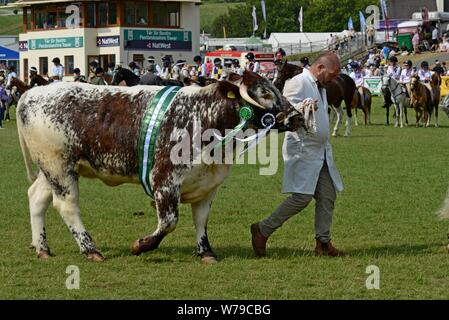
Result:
<point x="304" y="154"/>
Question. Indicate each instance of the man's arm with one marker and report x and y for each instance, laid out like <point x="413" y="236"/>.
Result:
<point x="294" y="91"/>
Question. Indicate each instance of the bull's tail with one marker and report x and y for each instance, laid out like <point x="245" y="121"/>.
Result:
<point x="25" y="151"/>
<point x="444" y="212"/>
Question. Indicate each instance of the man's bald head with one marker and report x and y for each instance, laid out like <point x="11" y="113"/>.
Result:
<point x="326" y="67"/>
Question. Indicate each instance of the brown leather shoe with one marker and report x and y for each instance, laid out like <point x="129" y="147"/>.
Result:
<point x="327" y="249"/>
<point x="259" y="241"/>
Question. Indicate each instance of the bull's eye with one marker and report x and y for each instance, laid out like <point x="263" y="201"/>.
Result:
<point x="267" y="96"/>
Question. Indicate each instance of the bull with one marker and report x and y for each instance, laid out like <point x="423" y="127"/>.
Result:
<point x="73" y="129"/>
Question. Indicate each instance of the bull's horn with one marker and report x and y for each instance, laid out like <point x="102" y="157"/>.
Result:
<point x="244" y="94"/>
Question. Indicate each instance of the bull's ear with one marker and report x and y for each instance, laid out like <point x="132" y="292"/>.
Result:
<point x="228" y="89"/>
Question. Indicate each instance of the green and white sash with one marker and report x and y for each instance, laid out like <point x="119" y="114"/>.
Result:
<point x="149" y="130"/>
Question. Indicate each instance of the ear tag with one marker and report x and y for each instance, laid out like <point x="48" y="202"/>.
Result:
<point x="231" y="95"/>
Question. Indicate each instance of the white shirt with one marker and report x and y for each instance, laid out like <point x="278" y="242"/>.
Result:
<point x="435" y="34"/>
<point x="10" y="76"/>
<point x="394" y="71"/>
<point x="58" y="71"/>
<point x="424" y="75"/>
<point x="406" y="75"/>
<point x="304" y="154"/>
<point x="357" y="77"/>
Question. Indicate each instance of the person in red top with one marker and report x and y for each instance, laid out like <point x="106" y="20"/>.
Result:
<point x="209" y="67"/>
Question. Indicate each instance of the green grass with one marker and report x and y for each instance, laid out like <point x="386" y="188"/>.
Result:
<point x="395" y="179"/>
<point x="10" y="25"/>
<point x="211" y="10"/>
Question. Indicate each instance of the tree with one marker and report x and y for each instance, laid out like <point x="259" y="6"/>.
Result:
<point x="319" y="16"/>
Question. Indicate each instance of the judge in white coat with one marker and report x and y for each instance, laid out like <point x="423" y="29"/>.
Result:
<point x="310" y="171"/>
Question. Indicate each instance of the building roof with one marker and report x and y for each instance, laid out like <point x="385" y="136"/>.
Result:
<point x="27" y="3"/>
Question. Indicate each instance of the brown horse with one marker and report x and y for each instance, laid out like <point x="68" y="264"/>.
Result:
<point x="421" y="101"/>
<point x="342" y="89"/>
<point x="435" y="83"/>
<point x="20" y="86"/>
<point x="38" y="80"/>
<point x="366" y="105"/>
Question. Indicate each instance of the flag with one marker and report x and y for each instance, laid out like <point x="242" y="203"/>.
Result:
<point x="301" y="19"/>
<point x="362" y="21"/>
<point x="350" y="24"/>
<point x="264" y="13"/>
<point x="384" y="9"/>
<point x="255" y="26"/>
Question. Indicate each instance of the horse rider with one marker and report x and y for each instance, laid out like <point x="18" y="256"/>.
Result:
<point x="406" y="75"/>
<point x="394" y="70"/>
<point x="152" y="61"/>
<point x="11" y="74"/>
<point x="58" y="70"/>
<point x="425" y="75"/>
<point x="180" y="72"/>
<point x="93" y="65"/>
<point x="200" y="68"/>
<point x="235" y="67"/>
<point x="358" y="76"/>
<point x="252" y="65"/>
<point x="218" y="73"/>
<point x="167" y="70"/>
<point x="134" y="68"/>
<point x="150" y="78"/>
<point x="77" y="77"/>
<point x="99" y="77"/>
<point x="305" y="62"/>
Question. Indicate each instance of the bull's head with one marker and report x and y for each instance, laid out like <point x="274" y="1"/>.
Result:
<point x="265" y="99"/>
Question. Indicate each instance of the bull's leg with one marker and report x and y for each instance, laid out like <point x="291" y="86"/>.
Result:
<point x="66" y="201"/>
<point x="39" y="195"/>
<point x="388" y="115"/>
<point x="167" y="200"/>
<point x="200" y="212"/>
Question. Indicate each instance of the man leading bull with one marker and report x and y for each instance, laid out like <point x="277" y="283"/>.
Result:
<point x="310" y="171"/>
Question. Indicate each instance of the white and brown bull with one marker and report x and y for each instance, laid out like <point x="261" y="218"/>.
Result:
<point x="71" y="130"/>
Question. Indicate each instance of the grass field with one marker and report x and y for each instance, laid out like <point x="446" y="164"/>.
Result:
<point x="10" y="25"/>
<point x="395" y="179"/>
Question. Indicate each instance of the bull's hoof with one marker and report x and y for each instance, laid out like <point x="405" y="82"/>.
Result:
<point x="95" y="256"/>
<point x="148" y="244"/>
<point x="209" y="258"/>
<point x="44" y="255"/>
<point x="135" y="248"/>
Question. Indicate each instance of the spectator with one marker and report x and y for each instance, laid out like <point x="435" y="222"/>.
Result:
<point x="236" y="67"/>
<point x="3" y="100"/>
<point x="415" y="42"/>
<point x="305" y="63"/>
<point x="200" y="69"/>
<point x="218" y="72"/>
<point x="93" y="65"/>
<point x="443" y="65"/>
<point x="386" y="52"/>
<point x="435" y="42"/>
<point x="209" y="67"/>
<point x="11" y="74"/>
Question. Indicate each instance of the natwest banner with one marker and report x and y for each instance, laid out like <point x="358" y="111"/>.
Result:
<point x="158" y="40"/>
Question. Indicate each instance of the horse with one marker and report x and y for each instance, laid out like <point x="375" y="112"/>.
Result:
<point x="131" y="80"/>
<point x="342" y="89"/>
<point x="435" y="84"/>
<point x="398" y="97"/>
<point x="126" y="75"/>
<point x="366" y="105"/>
<point x="38" y="80"/>
<point x="285" y="72"/>
<point x="421" y="101"/>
